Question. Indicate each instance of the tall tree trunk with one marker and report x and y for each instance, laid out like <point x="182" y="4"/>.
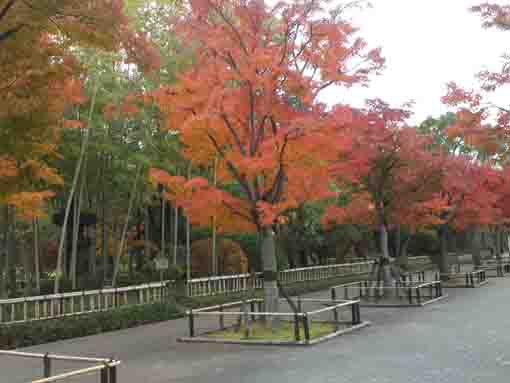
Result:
<point x="385" y="270"/>
<point x="77" y="170"/>
<point x="12" y="253"/>
<point x="214" y="255"/>
<point x="268" y="255"/>
<point x="76" y="227"/>
<point x="176" y="233"/>
<point x="104" y="239"/>
<point x="125" y="228"/>
<point x="497" y="243"/>
<point x="444" y="266"/>
<point x="27" y="268"/>
<point x="398" y="241"/>
<point x="3" y="253"/>
<point x="188" y="236"/>
<point x="92" y="269"/>
<point x="403" y="259"/>
<point x="163" y="229"/>
<point x="475" y="246"/>
<point x="146" y="233"/>
<point x="37" y="262"/>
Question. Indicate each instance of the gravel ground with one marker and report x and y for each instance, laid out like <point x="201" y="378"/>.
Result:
<point x="463" y="339"/>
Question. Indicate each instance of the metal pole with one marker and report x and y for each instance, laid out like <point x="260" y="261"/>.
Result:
<point x="46" y="366"/>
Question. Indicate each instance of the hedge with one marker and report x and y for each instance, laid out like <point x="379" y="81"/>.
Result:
<point x="38" y="332"/>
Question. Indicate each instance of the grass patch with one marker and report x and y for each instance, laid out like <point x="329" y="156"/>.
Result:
<point x="284" y="332"/>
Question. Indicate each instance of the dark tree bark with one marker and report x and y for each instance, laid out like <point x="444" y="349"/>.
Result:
<point x="12" y="252"/>
<point x="444" y="267"/>
<point x="268" y="255"/>
<point x="476" y="246"/>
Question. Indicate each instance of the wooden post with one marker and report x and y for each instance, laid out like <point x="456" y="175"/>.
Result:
<point x="46" y="366"/>
<point x="252" y="309"/>
<point x="191" y="324"/>
<point x="104" y="375"/>
<point x="410" y="295"/>
<point x="113" y="374"/>
<point x="467" y="279"/>
<point x="246" y="323"/>
<point x="296" y="328"/>
<point x="335" y="317"/>
<point x="418" y="295"/>
<point x="222" y="322"/>
<point x="306" y="327"/>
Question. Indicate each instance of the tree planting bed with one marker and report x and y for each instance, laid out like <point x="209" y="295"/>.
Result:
<point x="469" y="279"/>
<point x="402" y="294"/>
<point x="495" y="269"/>
<point x="245" y="322"/>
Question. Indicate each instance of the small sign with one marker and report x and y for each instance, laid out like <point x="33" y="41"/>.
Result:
<point x="161" y="263"/>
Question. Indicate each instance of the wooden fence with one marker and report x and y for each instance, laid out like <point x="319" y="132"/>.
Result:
<point x="106" y="368"/>
<point x="40" y="307"/>
<point x="25" y="309"/>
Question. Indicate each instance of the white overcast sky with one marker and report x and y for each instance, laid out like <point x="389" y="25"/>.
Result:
<point x="426" y="43"/>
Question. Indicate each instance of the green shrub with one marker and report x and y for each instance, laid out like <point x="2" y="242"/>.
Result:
<point x="33" y="333"/>
<point x="424" y="242"/>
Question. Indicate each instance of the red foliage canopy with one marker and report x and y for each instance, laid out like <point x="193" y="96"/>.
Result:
<point x="250" y="101"/>
<point x="399" y="184"/>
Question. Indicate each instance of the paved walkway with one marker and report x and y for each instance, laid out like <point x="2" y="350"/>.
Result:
<point x="464" y="339"/>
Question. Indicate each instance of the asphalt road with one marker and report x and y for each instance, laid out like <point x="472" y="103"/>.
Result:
<point x="463" y="339"/>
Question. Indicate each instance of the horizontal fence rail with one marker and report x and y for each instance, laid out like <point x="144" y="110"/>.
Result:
<point x="408" y="293"/>
<point x="237" y="283"/>
<point x="25" y="309"/>
<point x="106" y="368"/>
<point x="18" y="310"/>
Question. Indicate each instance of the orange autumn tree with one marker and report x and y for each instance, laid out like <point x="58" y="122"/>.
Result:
<point x="250" y="102"/>
<point x="398" y="185"/>
<point x="40" y="82"/>
<point x="482" y="122"/>
<point x="471" y="193"/>
<point x="29" y="127"/>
